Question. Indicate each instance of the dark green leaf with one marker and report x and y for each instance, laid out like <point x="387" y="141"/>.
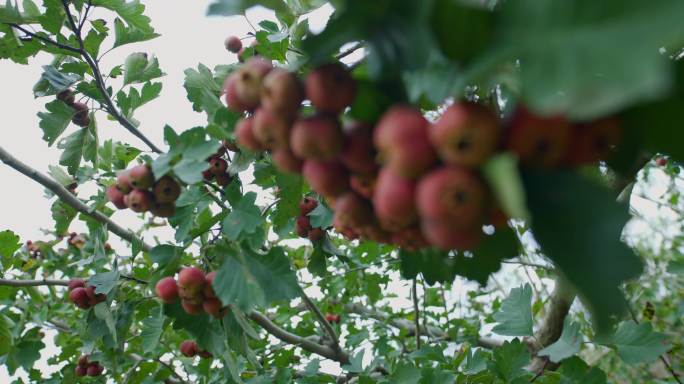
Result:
<point x="515" y="315"/>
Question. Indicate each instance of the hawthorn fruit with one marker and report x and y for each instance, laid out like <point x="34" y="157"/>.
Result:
<point x="139" y="200"/>
<point x="282" y="93"/>
<point x="327" y="178"/>
<point x="223" y="179"/>
<point x="79" y="296"/>
<point x="317" y="137"/>
<point x="141" y="176"/>
<point x="208" y="290"/>
<point x="330" y="88"/>
<point x="95" y="369"/>
<point x="466" y="134"/>
<point x="123" y="181"/>
<point x="594" y="141"/>
<point x="316" y="234"/>
<point x="287" y="161"/>
<point x="303" y="226"/>
<point x="163" y="210"/>
<point x="191" y="282"/>
<point x="116" y="197"/>
<point x="402" y="140"/>
<point x="167" y="290"/>
<point x="446" y="236"/>
<point x="233" y="44"/>
<point x="244" y="133"/>
<point x="217" y="165"/>
<point x="166" y="190"/>
<point x="353" y="211"/>
<point x="213" y="307"/>
<point x="359" y="154"/>
<point x="271" y="129"/>
<point x="540" y="142"/>
<point x="191" y="308"/>
<point x="307" y="205"/>
<point x="81" y="371"/>
<point x="76" y="283"/>
<point x="243" y="87"/>
<point x="67" y="96"/>
<point x="394" y="201"/>
<point x="189" y="348"/>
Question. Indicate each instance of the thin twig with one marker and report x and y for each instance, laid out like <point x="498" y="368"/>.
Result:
<point x="349" y="51"/>
<point x="327" y="327"/>
<point x="33" y="283"/>
<point x="416" y="311"/>
<point x="45" y="39"/>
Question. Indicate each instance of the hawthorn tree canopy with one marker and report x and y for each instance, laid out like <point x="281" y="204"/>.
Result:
<point x="435" y="191"/>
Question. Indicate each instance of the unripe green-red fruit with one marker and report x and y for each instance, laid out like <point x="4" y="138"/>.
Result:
<point x="218" y="165"/>
<point x="208" y="290"/>
<point x="67" y="96"/>
<point x="223" y="179"/>
<point x="394" y="201"/>
<point x="272" y="130"/>
<point x="540" y="142"/>
<point x="189" y="348"/>
<point x="243" y="87"/>
<point x="167" y="290"/>
<point x="191" y="281"/>
<point x="359" y="154"/>
<point x="307" y="205"/>
<point x="166" y="190"/>
<point x="410" y="239"/>
<point x="363" y="185"/>
<point x="244" y="134"/>
<point x="594" y="141"/>
<point x="286" y="161"/>
<point x="402" y="140"/>
<point x="123" y="181"/>
<point x="213" y="307"/>
<point x="353" y="211"/>
<point x="76" y="283"/>
<point x="453" y="194"/>
<point x="303" y="226"/>
<point x="282" y="93"/>
<point x="316" y="234"/>
<point x="192" y="308"/>
<point x="317" y="138"/>
<point x="116" y="197"/>
<point x="327" y="178"/>
<point x="79" y="296"/>
<point x="81" y="371"/>
<point x="446" y="236"/>
<point x="163" y="210"/>
<point x="95" y="369"/>
<point x="139" y="201"/>
<point x="330" y="88"/>
<point x="141" y="176"/>
<point x="466" y="134"/>
<point x="233" y="44"/>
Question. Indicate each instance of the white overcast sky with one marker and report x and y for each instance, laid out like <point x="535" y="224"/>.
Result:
<point x="188" y="37"/>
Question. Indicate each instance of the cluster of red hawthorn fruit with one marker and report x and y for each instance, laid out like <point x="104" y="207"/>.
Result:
<point x="88" y="368"/>
<point x="84" y="296"/>
<point x="405" y="180"/>
<point x="136" y="189"/>
<point x="303" y="225"/>
<point x="195" y="290"/>
<point x="189" y="348"/>
<point x="218" y="167"/>
<point x="81" y="116"/>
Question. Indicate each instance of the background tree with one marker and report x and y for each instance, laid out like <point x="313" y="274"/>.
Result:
<point x="417" y="194"/>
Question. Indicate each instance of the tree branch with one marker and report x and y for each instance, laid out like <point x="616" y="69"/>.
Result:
<point x="33" y="283"/>
<point x="324" y="323"/>
<point x="45" y="39"/>
<point x="416" y="312"/>
<point x="69" y="198"/>
<point x="102" y="87"/>
<point x="293" y="339"/>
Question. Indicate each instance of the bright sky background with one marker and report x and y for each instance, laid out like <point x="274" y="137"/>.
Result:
<point x="188" y="37"/>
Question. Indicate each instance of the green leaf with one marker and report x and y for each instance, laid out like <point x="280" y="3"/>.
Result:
<point x="55" y="121"/>
<point x="574" y="370"/>
<point x="486" y="258"/>
<point x="462" y="29"/>
<point x="10" y="13"/>
<point x="245" y="218"/>
<point x="24" y="354"/>
<point x="130" y="11"/>
<point x="287" y="206"/>
<point x="102" y="312"/>
<point x="53" y="18"/>
<point x="321" y="217"/>
<point x="104" y="282"/>
<point x="552" y="38"/>
<point x="515" y="315"/>
<point x="152" y="329"/>
<point x="164" y="254"/>
<point x="9" y="243"/>
<point x="125" y="35"/>
<point x="93" y="40"/>
<point x="203" y="90"/>
<point x="81" y="144"/>
<point x="509" y="361"/>
<point x="503" y="177"/>
<point x="405" y="373"/>
<point x="138" y="68"/>
<point x="6" y="337"/>
<point x="579" y="226"/>
<point x="56" y="80"/>
<point x="475" y="362"/>
<point x="567" y="345"/>
<point x="254" y="279"/>
<point x="434" y="265"/>
<point x="238" y="7"/>
<point x="63" y="214"/>
<point x="638" y="343"/>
